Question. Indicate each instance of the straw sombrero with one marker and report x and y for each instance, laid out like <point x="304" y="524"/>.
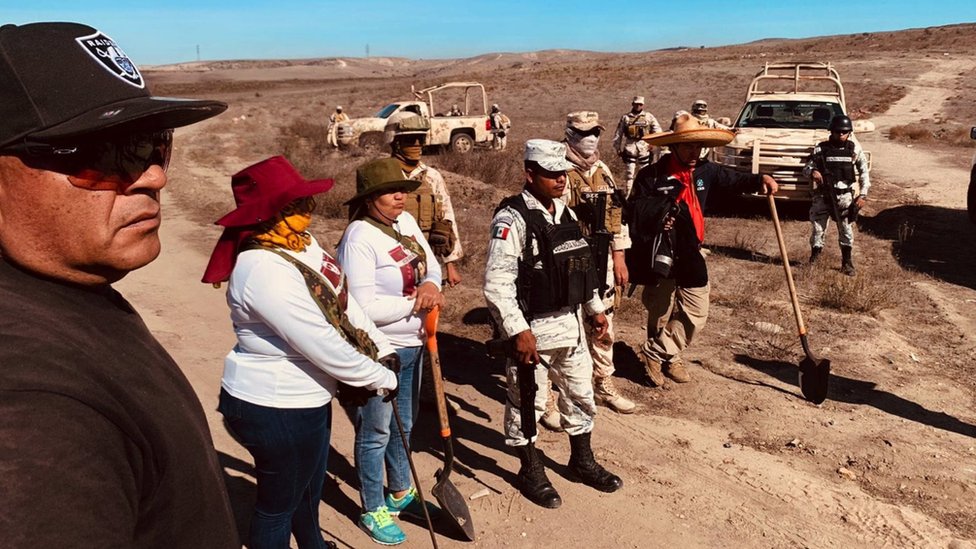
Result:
<point x="687" y="129"/>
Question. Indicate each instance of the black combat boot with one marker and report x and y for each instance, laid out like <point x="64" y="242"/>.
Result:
<point x="814" y="254"/>
<point x="846" y="264"/>
<point x="532" y="480"/>
<point x="582" y="464"/>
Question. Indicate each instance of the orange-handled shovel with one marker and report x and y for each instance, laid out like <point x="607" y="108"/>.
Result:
<point x="446" y="493"/>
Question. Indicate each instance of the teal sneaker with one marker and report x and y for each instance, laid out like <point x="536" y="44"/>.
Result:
<point x="381" y="528"/>
<point x="409" y="505"/>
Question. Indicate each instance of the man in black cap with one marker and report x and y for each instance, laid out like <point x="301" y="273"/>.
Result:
<point x="102" y="439"/>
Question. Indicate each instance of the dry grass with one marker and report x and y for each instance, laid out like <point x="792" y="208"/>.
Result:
<point x="945" y="133"/>
<point x="865" y="293"/>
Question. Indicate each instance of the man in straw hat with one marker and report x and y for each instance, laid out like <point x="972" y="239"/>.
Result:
<point x="676" y="298"/>
<point x="102" y="439"/>
<point x="629" y="142"/>
<point x="540" y="282"/>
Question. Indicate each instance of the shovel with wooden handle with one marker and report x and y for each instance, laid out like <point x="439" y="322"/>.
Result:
<point x="446" y="493"/>
<point x="814" y="373"/>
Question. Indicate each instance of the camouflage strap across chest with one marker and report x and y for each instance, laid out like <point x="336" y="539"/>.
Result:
<point x="423" y="204"/>
<point x="328" y="302"/>
<point x="600" y="183"/>
<point x="406" y="242"/>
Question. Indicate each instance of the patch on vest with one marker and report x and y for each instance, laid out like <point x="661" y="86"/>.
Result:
<point x="500" y="232"/>
<point x="111" y="57"/>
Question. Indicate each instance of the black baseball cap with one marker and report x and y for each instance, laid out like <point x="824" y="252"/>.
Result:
<point x="63" y="80"/>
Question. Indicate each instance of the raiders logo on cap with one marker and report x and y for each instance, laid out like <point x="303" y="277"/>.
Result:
<point x="112" y="58"/>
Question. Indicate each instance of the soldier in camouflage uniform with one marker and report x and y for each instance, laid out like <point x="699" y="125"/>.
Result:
<point x="699" y="109"/>
<point x="588" y="178"/>
<point x="430" y="204"/>
<point x="628" y="140"/>
<point x="539" y="283"/>
<point x="834" y="166"/>
<point x="335" y="119"/>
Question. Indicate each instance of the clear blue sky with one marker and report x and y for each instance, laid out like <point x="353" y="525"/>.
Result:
<point x="169" y="31"/>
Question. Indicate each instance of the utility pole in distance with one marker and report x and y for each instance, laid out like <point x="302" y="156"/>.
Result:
<point x="198" y="52"/>
<point x="367" y="51"/>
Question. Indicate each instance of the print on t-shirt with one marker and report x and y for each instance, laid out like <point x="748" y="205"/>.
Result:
<point x="412" y="268"/>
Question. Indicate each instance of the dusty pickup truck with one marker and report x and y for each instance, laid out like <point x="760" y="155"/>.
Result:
<point x="460" y="131"/>
<point x="787" y="110"/>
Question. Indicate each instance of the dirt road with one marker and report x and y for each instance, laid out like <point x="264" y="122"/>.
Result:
<point x="735" y="459"/>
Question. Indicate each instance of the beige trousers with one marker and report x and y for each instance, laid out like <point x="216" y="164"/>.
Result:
<point x="674" y="316"/>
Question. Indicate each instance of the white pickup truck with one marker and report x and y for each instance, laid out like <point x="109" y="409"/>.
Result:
<point x="786" y="113"/>
<point x="460" y="132"/>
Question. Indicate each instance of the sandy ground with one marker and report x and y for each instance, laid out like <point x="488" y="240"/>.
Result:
<point x="735" y="459"/>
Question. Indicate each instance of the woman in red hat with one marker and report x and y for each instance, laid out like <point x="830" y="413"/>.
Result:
<point x="396" y="278"/>
<point x="299" y="334"/>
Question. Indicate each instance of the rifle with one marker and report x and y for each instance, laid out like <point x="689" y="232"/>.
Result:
<point x="601" y="236"/>
<point x="499" y="348"/>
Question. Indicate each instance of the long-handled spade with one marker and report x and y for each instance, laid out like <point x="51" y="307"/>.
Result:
<point x="446" y="493"/>
<point x="814" y="373"/>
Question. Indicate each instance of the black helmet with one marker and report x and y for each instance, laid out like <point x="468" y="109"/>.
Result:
<point x="841" y="123"/>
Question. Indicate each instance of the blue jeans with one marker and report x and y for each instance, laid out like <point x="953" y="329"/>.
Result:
<point x="378" y="438"/>
<point x="290" y="447"/>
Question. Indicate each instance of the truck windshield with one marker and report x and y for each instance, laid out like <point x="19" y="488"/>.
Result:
<point x="386" y="111"/>
<point x="788" y="114"/>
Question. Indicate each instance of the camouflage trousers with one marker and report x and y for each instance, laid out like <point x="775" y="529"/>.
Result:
<point x="674" y="316"/>
<point x="499" y="142"/>
<point x="631" y="167"/>
<point x="571" y="369"/>
<point x="821" y="213"/>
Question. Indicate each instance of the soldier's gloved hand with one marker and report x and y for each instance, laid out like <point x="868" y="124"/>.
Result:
<point x="441" y="238"/>
<point x="391" y="362"/>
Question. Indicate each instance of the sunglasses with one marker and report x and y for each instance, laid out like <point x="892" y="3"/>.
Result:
<point x="586" y="133"/>
<point x="111" y="164"/>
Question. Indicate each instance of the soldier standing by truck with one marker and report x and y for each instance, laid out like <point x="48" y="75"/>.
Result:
<point x="539" y="282"/>
<point x="598" y="203"/>
<point x="832" y="168"/>
<point x="628" y="139"/>
<point x="500" y="124"/>
<point x="430" y="204"/>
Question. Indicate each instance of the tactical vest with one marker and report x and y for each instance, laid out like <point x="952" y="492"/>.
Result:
<point x="567" y="276"/>
<point x="600" y="182"/>
<point x="423" y="204"/>
<point x="638" y="127"/>
<point x="836" y="163"/>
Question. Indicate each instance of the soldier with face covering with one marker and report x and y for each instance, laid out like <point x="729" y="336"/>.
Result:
<point x="592" y="193"/>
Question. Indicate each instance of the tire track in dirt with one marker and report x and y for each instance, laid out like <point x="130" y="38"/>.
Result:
<point x="763" y="493"/>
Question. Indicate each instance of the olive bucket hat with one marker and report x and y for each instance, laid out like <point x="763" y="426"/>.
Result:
<point x="380" y="176"/>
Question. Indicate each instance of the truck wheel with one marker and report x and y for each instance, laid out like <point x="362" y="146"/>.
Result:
<point x="371" y="142"/>
<point x="462" y="143"/>
<point x="971" y="198"/>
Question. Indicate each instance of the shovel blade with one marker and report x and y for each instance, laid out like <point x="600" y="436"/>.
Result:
<point x="814" y="376"/>
<point x="452" y="503"/>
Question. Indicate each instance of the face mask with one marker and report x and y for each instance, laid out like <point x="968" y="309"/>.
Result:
<point x="587" y="145"/>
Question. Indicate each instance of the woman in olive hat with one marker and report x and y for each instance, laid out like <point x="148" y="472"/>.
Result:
<point x="395" y="276"/>
<point x="299" y="334"/>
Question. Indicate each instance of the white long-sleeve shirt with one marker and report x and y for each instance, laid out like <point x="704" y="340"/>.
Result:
<point x="561" y="328"/>
<point x="287" y="354"/>
<point x="380" y="273"/>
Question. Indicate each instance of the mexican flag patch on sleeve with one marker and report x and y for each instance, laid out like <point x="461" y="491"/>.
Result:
<point x="501" y="232"/>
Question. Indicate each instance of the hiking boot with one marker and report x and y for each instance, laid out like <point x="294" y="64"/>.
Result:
<point x="846" y="263"/>
<point x="814" y="254"/>
<point x="381" y="528"/>
<point x="532" y="481"/>
<point x="583" y="465"/>
<point x="550" y="419"/>
<point x="605" y="392"/>
<point x="677" y="372"/>
<point x="653" y="369"/>
<point x="409" y="505"/>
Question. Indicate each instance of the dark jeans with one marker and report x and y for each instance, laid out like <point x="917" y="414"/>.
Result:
<point x="290" y="447"/>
